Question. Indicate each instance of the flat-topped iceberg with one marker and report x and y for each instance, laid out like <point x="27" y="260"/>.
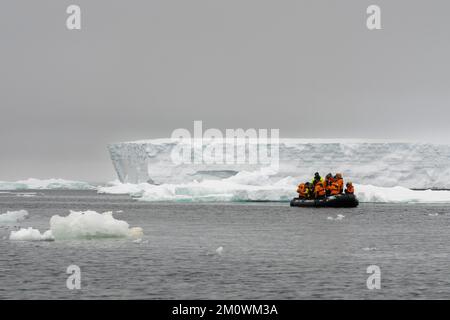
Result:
<point x="383" y="171"/>
<point x="378" y="163"/>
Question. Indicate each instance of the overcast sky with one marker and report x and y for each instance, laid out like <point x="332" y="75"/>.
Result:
<point x="140" y="69"/>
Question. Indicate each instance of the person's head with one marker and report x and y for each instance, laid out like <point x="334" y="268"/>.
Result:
<point x="328" y="176"/>
<point x="307" y="184"/>
<point x="338" y="176"/>
<point x="349" y="184"/>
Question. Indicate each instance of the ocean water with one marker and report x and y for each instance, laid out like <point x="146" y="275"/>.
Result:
<point x="270" y="251"/>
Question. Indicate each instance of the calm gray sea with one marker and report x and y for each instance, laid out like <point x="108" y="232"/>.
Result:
<point x="270" y="251"/>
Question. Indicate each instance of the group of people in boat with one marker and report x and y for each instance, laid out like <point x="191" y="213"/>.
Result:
<point x="320" y="188"/>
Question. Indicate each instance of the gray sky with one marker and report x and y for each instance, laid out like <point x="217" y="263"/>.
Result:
<point x="140" y="69"/>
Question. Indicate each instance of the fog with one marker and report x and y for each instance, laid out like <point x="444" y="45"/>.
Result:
<point x="140" y="69"/>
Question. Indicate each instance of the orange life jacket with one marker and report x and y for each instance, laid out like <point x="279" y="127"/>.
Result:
<point x="334" y="188"/>
<point x="328" y="183"/>
<point x="301" y="190"/>
<point x="340" y="182"/>
<point x="319" y="190"/>
<point x="350" y="189"/>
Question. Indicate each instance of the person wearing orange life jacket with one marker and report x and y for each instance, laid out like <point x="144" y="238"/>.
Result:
<point x="334" y="188"/>
<point x="349" y="188"/>
<point x="340" y="181"/>
<point x="327" y="183"/>
<point x="302" y="191"/>
<point x="319" y="191"/>
<point x="316" y="178"/>
<point x="309" y="191"/>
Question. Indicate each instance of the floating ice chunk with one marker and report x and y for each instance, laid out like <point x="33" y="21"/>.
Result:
<point x="81" y="225"/>
<point x="115" y="187"/>
<point x="235" y="189"/>
<point x="261" y="185"/>
<point x="30" y="234"/>
<point x="219" y="251"/>
<point x="55" y="184"/>
<point x="369" y="193"/>
<point x="90" y="224"/>
<point x="433" y="214"/>
<point x="77" y="225"/>
<point x="13" y="216"/>
<point x="136" y="233"/>
<point x="338" y="217"/>
<point x="26" y="195"/>
<point x="369" y="249"/>
<point x="245" y="186"/>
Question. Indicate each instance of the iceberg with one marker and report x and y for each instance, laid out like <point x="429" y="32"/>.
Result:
<point x="380" y="163"/>
<point x="382" y="171"/>
<point x="45" y="184"/>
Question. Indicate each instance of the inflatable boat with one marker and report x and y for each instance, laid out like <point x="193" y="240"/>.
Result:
<point x="338" y="201"/>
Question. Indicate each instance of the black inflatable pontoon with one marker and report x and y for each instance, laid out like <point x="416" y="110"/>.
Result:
<point x="339" y="201"/>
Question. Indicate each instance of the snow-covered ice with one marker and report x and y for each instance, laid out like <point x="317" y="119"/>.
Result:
<point x="90" y="224"/>
<point x="81" y="225"/>
<point x="369" y="193"/>
<point x="13" y="216"/>
<point x="371" y="162"/>
<point x="382" y="171"/>
<point x="45" y="184"/>
<point x="262" y="185"/>
<point x="30" y="234"/>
